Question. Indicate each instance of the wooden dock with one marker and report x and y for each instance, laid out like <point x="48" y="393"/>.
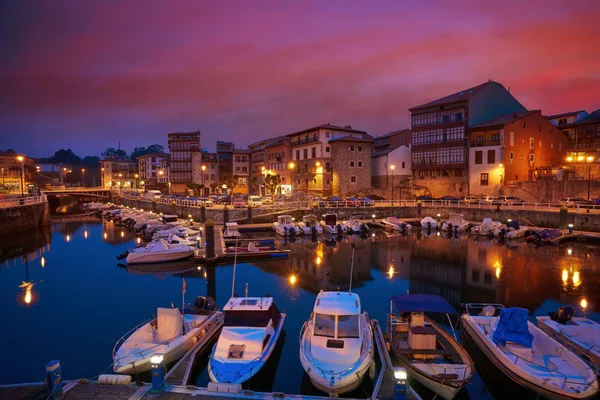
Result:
<point x="180" y="373"/>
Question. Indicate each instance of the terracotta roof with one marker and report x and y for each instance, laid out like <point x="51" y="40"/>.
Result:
<point x="328" y="126"/>
<point x="564" y="114"/>
<point x="504" y="119"/>
<point x="154" y="155"/>
<point x="393" y="133"/>
<point x="458" y="96"/>
<point x="365" y="139"/>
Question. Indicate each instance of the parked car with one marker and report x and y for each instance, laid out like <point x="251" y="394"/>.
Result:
<point x="225" y="200"/>
<point x="469" y="199"/>
<point x="507" y="201"/>
<point x="335" y="201"/>
<point x="318" y="201"/>
<point x="206" y="201"/>
<point x="595" y="201"/>
<point x="267" y="200"/>
<point x="375" y="197"/>
<point x="350" y="202"/>
<point x="254" y="201"/>
<point x="423" y="198"/>
<point x="450" y="199"/>
<point x="366" y="202"/>
<point x="487" y="200"/>
<point x="238" y="202"/>
<point x="573" y="201"/>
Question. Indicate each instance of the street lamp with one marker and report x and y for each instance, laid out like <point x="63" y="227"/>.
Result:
<point x="392" y="167"/>
<point x="136" y="180"/>
<point x="83" y="176"/>
<point x="102" y="176"/>
<point x="589" y="160"/>
<point x="203" y="169"/>
<point x="21" y="159"/>
<point x="263" y="172"/>
<point x="291" y="167"/>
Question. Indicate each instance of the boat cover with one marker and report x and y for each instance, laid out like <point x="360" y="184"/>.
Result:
<point x="170" y="323"/>
<point x="512" y="327"/>
<point x="422" y="303"/>
<point x="513" y="224"/>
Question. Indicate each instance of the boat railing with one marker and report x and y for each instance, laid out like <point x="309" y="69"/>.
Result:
<point x="365" y="351"/>
<point x="470" y="307"/>
<point x="566" y="345"/>
<point x="126" y="335"/>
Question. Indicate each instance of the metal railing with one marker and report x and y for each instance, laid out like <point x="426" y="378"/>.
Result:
<point x="22" y="201"/>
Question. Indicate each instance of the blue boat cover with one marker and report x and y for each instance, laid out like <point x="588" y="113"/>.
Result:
<point x="512" y="327"/>
<point x="422" y="303"/>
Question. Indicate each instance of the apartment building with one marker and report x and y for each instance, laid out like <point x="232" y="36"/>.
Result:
<point x="119" y="173"/>
<point x="185" y="160"/>
<point x="279" y="162"/>
<point x="391" y="149"/>
<point x="439" y="134"/>
<point x="257" y="165"/>
<point x="241" y="168"/>
<point x="149" y="166"/>
<point x="520" y="146"/>
<point x="351" y="165"/>
<point x="312" y="157"/>
<point x="164" y="175"/>
<point x="210" y="172"/>
<point x="584" y="151"/>
<point x="12" y="170"/>
<point x="566" y="121"/>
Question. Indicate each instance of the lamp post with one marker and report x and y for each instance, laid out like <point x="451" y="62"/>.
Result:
<point x="589" y="160"/>
<point x="392" y="167"/>
<point x="21" y="159"/>
<point x="102" y="176"/>
<point x="203" y="169"/>
<point x="291" y="167"/>
<point x="136" y="181"/>
<point x="263" y="172"/>
<point x="83" y="176"/>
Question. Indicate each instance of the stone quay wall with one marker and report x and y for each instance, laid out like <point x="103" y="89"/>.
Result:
<point x="23" y="218"/>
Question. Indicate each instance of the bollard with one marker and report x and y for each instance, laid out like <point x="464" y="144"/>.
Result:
<point x="419" y="205"/>
<point x="563" y="217"/>
<point x="439" y="216"/>
<point x="249" y="214"/>
<point x="158" y="374"/>
<point x="54" y="387"/>
<point x="203" y="213"/>
<point x="209" y="242"/>
<point x="570" y="229"/>
<point x="373" y="217"/>
<point x="225" y="215"/>
<point x="400" y="379"/>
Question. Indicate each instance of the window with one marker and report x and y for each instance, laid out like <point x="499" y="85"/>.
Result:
<point x="475" y="275"/>
<point x="353" y="179"/>
<point x="352" y="163"/>
<point x="531" y="144"/>
<point x="491" y="156"/>
<point x="516" y="177"/>
<point x="401" y="140"/>
<point x="403" y="165"/>
<point x="479" y="157"/>
<point x="297" y="154"/>
<point x="531" y="159"/>
<point x="327" y="149"/>
<point x="496" y="137"/>
<point x="562" y="121"/>
<point x="480" y="139"/>
<point x="313" y="152"/>
<point x="484" y="179"/>
<point x="327" y="167"/>
<point x="459" y="116"/>
<point x="512" y="139"/>
<point x="351" y="148"/>
<point x="359" y="148"/>
<point x="326" y="134"/>
<point x="511" y="156"/>
<point x="559" y="146"/>
<point x="324" y="325"/>
<point x="540" y="143"/>
<point x="305" y="153"/>
<point x="359" y="164"/>
<point x="347" y="326"/>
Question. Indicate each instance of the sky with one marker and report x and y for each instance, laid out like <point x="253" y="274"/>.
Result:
<point x="88" y="75"/>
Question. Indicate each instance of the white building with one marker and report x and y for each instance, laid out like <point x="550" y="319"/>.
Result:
<point x="148" y="166"/>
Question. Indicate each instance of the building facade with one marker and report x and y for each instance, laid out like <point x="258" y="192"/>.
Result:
<point x="210" y="171"/>
<point x="279" y="162"/>
<point x="584" y="150"/>
<point x="241" y="169"/>
<point x="15" y="173"/>
<point x="391" y="149"/>
<point x="257" y="165"/>
<point x="164" y="175"/>
<point x="351" y="165"/>
<point x="119" y="174"/>
<point x="516" y="147"/>
<point x="565" y="122"/>
<point x="439" y="135"/>
<point x="312" y="157"/>
<point x="185" y="160"/>
<point x="148" y="167"/>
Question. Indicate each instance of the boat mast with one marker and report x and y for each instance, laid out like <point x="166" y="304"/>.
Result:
<point x="234" y="265"/>
<point x="352" y="267"/>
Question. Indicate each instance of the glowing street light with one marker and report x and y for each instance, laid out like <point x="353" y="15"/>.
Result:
<point x="293" y="279"/>
<point x="21" y="159"/>
<point x="392" y="167"/>
<point x="83" y="176"/>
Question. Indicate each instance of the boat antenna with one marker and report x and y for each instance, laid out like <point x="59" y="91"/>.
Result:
<point x="352" y="267"/>
<point x="234" y="265"/>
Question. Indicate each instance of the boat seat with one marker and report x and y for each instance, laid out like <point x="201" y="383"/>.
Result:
<point x="448" y="376"/>
<point x="442" y="352"/>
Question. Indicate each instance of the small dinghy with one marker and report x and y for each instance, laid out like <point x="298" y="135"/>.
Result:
<point x="309" y="225"/>
<point x="433" y="357"/>
<point x="251" y="329"/>
<point x="170" y="334"/>
<point x="455" y="223"/>
<point x="581" y="334"/>
<point x="527" y="355"/>
<point x="330" y="225"/>
<point x="353" y="225"/>
<point x="284" y="226"/>
<point x="429" y="222"/>
<point x="395" y="224"/>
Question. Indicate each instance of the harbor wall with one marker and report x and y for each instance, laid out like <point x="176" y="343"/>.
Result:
<point x="23" y="218"/>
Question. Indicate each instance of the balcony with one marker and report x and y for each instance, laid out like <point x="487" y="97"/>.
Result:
<point x="305" y="141"/>
<point x="479" y="143"/>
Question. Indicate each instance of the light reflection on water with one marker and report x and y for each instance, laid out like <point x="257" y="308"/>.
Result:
<point x="64" y="297"/>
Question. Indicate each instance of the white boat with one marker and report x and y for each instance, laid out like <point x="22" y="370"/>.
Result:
<point x="336" y="343"/>
<point x="159" y="251"/>
<point x="526" y="354"/>
<point x="250" y="331"/>
<point x="179" y="230"/>
<point x="513" y="233"/>
<point x="284" y="226"/>
<point x="578" y="333"/>
<point x="432" y="356"/>
<point x="396" y="224"/>
<point x="429" y="222"/>
<point x="232" y="230"/>
<point x="355" y="226"/>
<point x="309" y="225"/>
<point x="486" y="228"/>
<point x="165" y="335"/>
<point x="455" y="223"/>
<point x="330" y="225"/>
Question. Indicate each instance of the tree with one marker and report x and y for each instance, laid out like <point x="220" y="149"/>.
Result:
<point x="142" y="151"/>
<point x="214" y="186"/>
<point x="232" y="182"/>
<point x="253" y="184"/>
<point x="91" y="161"/>
<point x="197" y="188"/>
<point x="272" y="182"/>
<point x="114" y="154"/>
<point x="63" y="156"/>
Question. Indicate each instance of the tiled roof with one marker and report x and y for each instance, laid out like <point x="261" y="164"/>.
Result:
<point x="385" y="151"/>
<point x="364" y="139"/>
<point x="394" y="133"/>
<point x="564" y="114"/>
<point x="458" y="96"/>
<point x="504" y="119"/>
<point x="153" y="155"/>
<point x="590" y="119"/>
<point x="328" y="126"/>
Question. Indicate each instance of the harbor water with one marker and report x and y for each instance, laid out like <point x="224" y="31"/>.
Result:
<point x="64" y="296"/>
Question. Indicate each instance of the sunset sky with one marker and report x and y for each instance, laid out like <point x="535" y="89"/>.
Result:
<point x="87" y="74"/>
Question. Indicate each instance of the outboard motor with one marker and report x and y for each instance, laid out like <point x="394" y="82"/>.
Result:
<point x="314" y="231"/>
<point x="429" y="225"/>
<point x="285" y="230"/>
<point x="563" y="316"/>
<point x="502" y="232"/>
<point x="449" y="227"/>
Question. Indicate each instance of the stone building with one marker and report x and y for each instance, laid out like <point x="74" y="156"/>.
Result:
<point x="351" y="165"/>
<point x="185" y="160"/>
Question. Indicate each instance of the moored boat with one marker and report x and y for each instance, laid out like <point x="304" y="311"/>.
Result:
<point x="455" y="223"/>
<point x="159" y="251"/>
<point x="486" y="228"/>
<point x="526" y="354"/>
<point x="251" y="328"/>
<point x="429" y="223"/>
<point x="336" y="343"/>
<point x="432" y="356"/>
<point x="396" y="224"/>
<point x="232" y="230"/>
<point x="353" y="225"/>
<point x="309" y="225"/>
<point x="285" y="226"/>
<point x="170" y="334"/>
<point x="331" y="225"/>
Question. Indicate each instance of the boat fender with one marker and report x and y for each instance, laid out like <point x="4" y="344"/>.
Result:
<point x="371" y="370"/>
<point x="388" y="346"/>
<point x="113" y="379"/>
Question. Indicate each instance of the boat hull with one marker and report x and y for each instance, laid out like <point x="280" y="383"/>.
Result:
<point x="471" y="331"/>
<point x="156" y="257"/>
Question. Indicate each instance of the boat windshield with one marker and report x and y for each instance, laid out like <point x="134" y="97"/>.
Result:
<point x="255" y="318"/>
<point x="325" y="325"/>
<point x="348" y="326"/>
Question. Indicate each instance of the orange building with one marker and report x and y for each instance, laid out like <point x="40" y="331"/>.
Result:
<point x="520" y="146"/>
